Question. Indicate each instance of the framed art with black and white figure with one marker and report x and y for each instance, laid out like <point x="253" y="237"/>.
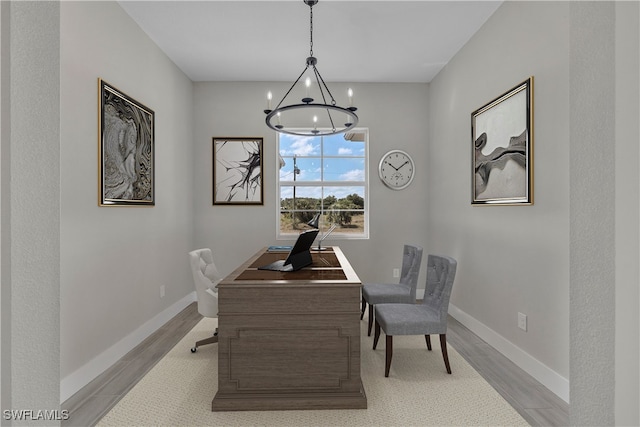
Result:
<point x="502" y="149"/>
<point x="127" y="149"/>
<point x="237" y="171"/>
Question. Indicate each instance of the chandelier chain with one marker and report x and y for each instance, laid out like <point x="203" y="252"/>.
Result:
<point x="311" y="30"/>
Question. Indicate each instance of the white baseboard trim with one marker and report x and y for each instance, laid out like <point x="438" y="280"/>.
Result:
<point x="73" y="382"/>
<point x="538" y="370"/>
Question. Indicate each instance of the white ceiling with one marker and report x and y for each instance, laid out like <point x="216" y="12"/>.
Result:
<point x="354" y="41"/>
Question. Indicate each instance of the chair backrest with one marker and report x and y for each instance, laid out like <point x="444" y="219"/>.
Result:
<point x="205" y="278"/>
<point x="441" y="271"/>
<point x="411" y="260"/>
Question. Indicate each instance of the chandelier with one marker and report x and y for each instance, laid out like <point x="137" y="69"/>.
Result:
<point x="317" y="118"/>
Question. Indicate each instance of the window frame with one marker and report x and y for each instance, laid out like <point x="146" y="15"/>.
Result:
<point x="326" y="183"/>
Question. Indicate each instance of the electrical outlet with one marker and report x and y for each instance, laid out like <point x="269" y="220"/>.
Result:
<point x="162" y="289"/>
<point x="522" y="321"/>
<point x="396" y="272"/>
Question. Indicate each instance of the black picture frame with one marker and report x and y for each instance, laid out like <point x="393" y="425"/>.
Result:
<point x="237" y="171"/>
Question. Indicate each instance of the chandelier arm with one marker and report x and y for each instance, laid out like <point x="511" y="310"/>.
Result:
<point x="292" y="86"/>
<point x="333" y="101"/>
<point x="333" y="126"/>
<point x="324" y="99"/>
<point x="319" y="80"/>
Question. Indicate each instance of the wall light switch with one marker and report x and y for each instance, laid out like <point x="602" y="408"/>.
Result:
<point x="162" y="289"/>
<point x="396" y="272"/>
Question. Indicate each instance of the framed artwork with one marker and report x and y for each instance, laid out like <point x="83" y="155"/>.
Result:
<point x="127" y="149"/>
<point x="502" y="149"/>
<point x="237" y="171"/>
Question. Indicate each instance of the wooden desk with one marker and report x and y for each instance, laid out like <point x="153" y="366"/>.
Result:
<point x="290" y="340"/>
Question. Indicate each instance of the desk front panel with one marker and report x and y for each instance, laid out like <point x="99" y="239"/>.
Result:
<point x="286" y="338"/>
<point x="288" y="345"/>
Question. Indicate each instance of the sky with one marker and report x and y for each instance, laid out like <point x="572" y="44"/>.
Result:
<point x="341" y="163"/>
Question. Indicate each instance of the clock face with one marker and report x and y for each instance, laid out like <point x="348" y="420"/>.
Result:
<point x="396" y="169"/>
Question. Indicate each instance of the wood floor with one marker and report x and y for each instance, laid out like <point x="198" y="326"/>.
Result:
<point x="535" y="403"/>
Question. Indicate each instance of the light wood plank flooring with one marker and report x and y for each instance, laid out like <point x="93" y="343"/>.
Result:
<point x="535" y="403"/>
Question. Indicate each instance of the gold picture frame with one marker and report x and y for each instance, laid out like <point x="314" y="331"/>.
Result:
<point x="126" y="145"/>
<point x="502" y="149"/>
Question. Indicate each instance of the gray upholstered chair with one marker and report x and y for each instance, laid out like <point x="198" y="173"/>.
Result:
<point x="429" y="317"/>
<point x="403" y="292"/>
<point x="205" y="277"/>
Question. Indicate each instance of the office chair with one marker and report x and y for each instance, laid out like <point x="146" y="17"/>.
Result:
<point x="427" y="318"/>
<point x="403" y="292"/>
<point x="205" y="277"/>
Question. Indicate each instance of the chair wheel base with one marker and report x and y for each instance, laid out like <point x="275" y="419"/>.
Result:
<point x="194" y="349"/>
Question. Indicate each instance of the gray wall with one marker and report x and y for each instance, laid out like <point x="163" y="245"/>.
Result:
<point x="592" y="177"/>
<point x="30" y="206"/>
<point x="511" y="258"/>
<point x="114" y="259"/>
<point x="627" y="206"/>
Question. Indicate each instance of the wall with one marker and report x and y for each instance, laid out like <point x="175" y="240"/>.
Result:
<point x="30" y="153"/>
<point x="627" y="205"/>
<point x="395" y="115"/>
<point x="592" y="176"/>
<point x="113" y="260"/>
<point x="512" y="258"/>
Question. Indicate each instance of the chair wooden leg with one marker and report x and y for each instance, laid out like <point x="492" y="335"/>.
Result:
<point x="371" y="310"/>
<point x="428" y="340"/>
<point x="377" y="336"/>
<point x="443" y="344"/>
<point x="364" y="305"/>
<point x="389" y="355"/>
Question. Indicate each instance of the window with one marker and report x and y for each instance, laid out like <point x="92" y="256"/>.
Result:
<point x="326" y="175"/>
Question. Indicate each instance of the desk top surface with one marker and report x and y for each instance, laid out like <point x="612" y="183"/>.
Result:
<point x="328" y="267"/>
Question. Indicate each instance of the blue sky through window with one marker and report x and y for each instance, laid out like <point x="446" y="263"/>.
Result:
<point x="330" y="159"/>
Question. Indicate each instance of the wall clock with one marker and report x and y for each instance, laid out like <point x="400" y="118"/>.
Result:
<point x="396" y="169"/>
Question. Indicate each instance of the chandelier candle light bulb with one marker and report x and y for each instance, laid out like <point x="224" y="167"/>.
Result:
<point x="307" y="87"/>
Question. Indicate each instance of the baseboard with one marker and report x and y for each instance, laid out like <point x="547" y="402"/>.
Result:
<point x="538" y="370"/>
<point x="72" y="383"/>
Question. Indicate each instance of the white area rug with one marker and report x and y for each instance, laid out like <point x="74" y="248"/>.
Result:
<point x="179" y="389"/>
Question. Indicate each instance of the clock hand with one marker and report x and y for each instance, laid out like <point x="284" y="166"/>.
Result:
<point x="403" y="164"/>
<point x="392" y="165"/>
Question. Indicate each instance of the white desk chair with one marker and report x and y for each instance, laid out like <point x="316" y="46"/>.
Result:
<point x="205" y="277"/>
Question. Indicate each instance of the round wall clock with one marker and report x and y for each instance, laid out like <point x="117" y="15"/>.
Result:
<point x="396" y="169"/>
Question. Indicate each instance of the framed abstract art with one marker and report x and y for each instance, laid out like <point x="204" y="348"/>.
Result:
<point x="126" y="149"/>
<point x="502" y="149"/>
<point x="237" y="171"/>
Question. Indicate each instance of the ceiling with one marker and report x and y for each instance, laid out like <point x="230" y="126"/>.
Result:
<point x="354" y="41"/>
